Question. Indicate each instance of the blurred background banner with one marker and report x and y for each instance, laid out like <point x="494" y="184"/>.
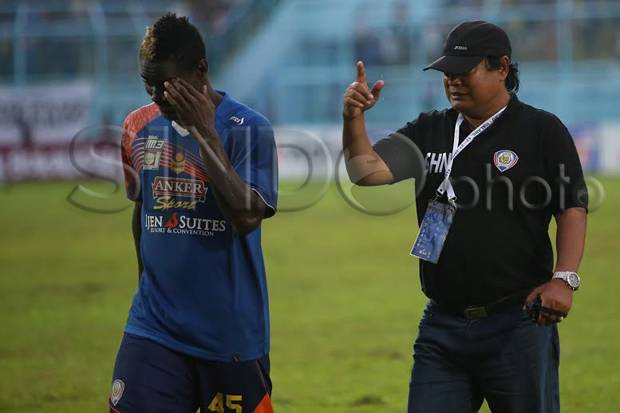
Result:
<point x="45" y="113"/>
<point x="71" y="64"/>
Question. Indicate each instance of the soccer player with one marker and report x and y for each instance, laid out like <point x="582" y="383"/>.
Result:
<point x="201" y="169"/>
<point x="498" y="171"/>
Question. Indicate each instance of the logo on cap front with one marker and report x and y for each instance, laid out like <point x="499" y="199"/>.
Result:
<point x="460" y="48"/>
<point x="505" y="159"/>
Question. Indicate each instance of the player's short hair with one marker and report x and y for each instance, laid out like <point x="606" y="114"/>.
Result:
<point x="173" y="38"/>
<point x="512" y="80"/>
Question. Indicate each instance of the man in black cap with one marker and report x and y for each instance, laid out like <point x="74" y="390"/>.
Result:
<point x="496" y="171"/>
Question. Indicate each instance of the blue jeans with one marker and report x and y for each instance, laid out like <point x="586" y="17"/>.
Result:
<point x="504" y="358"/>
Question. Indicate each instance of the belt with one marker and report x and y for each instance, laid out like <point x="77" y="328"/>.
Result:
<point x="476" y="312"/>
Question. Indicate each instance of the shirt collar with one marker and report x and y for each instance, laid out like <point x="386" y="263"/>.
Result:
<point x="226" y="107"/>
<point x="180" y="129"/>
<point x="513" y="104"/>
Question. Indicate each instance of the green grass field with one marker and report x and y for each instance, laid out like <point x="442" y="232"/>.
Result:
<point x="345" y="304"/>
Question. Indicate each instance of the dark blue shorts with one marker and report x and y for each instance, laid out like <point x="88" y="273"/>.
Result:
<point x="151" y="378"/>
<point x="504" y="358"/>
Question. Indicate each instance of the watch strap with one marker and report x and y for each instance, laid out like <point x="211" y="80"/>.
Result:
<point x="564" y="276"/>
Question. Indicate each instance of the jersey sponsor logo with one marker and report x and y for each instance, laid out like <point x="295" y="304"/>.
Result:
<point x="179" y="224"/>
<point x="152" y="153"/>
<point x="167" y="202"/>
<point x="238" y="121"/>
<point x="118" y="388"/>
<point x="154" y="143"/>
<point x="182" y="193"/>
<point x="505" y="159"/>
<point x="437" y="162"/>
<point x="173" y="221"/>
<point x="177" y="163"/>
<point x="151" y="160"/>
<point x="191" y="188"/>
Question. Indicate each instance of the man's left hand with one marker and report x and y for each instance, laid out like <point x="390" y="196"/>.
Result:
<point x="193" y="107"/>
<point x="555" y="295"/>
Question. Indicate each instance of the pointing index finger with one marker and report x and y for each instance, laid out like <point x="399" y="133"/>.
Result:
<point x="361" y="72"/>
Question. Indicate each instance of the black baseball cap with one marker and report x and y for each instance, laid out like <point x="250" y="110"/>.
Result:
<point x="469" y="43"/>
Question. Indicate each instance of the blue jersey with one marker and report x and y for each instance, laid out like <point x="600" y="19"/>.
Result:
<point x="203" y="289"/>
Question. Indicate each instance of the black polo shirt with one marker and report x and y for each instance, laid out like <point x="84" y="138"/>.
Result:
<point x="509" y="182"/>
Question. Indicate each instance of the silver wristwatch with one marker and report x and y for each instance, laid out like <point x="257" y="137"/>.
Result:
<point x="570" y="278"/>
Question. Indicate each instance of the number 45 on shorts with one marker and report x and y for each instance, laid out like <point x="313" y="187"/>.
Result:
<point x="230" y="403"/>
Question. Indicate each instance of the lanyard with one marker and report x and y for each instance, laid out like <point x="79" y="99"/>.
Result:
<point x="446" y="185"/>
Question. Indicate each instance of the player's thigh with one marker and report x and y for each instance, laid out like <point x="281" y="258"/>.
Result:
<point x="523" y="375"/>
<point x="438" y="383"/>
<point x="149" y="377"/>
<point x="237" y="387"/>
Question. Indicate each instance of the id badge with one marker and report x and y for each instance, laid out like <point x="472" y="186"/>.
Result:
<point x="433" y="231"/>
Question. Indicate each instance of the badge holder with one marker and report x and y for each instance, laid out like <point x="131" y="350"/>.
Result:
<point x="433" y="230"/>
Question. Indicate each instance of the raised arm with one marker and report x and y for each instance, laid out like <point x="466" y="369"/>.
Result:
<point x="364" y="166"/>
<point x="242" y="206"/>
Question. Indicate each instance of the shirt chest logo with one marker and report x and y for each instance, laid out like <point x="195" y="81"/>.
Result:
<point x="505" y="159"/>
<point x="437" y="162"/>
<point x="152" y="153"/>
<point x="169" y="193"/>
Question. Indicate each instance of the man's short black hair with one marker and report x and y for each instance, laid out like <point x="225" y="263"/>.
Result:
<point x="173" y="38"/>
<point x="512" y="80"/>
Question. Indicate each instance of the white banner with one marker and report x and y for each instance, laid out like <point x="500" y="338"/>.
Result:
<point x="60" y="162"/>
<point x="44" y="114"/>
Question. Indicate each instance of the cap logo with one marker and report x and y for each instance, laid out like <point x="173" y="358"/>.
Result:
<point x="460" y="47"/>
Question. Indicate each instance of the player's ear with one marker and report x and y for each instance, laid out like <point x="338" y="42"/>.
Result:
<point x="203" y="68"/>
<point x="504" y="63"/>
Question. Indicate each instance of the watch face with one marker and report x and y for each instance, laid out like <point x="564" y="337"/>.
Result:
<point x="573" y="280"/>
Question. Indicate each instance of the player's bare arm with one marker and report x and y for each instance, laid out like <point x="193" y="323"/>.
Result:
<point x="363" y="165"/>
<point x="136" y="229"/>
<point x="570" y="241"/>
<point x="196" y="111"/>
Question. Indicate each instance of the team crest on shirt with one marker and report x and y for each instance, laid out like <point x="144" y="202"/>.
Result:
<point x="505" y="159"/>
<point x="118" y="387"/>
<point x="177" y="163"/>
